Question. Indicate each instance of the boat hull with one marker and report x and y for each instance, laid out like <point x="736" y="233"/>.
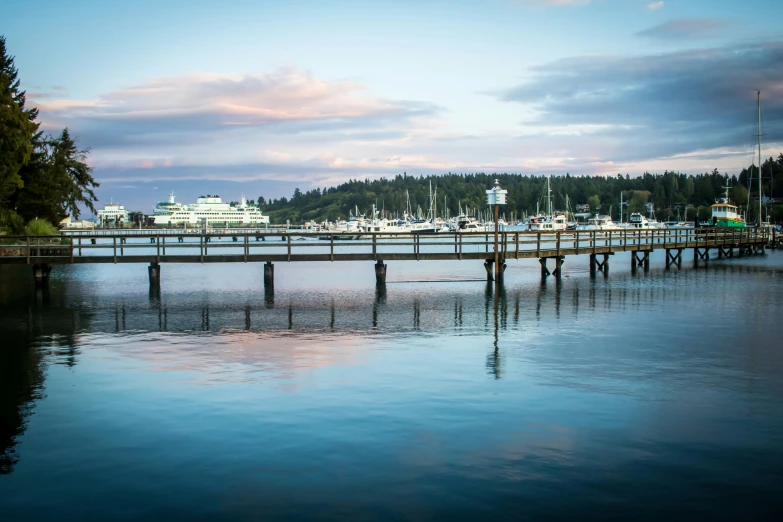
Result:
<point x="729" y="223"/>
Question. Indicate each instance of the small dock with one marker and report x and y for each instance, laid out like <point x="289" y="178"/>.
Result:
<point x="156" y="248"/>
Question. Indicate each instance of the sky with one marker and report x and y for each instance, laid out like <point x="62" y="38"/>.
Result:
<point x="259" y="97"/>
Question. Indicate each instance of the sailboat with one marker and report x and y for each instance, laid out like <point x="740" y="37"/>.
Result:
<point x="550" y="222"/>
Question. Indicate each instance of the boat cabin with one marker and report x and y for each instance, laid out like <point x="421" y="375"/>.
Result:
<point x="726" y="215"/>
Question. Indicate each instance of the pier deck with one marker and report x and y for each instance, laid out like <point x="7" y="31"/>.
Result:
<point x="158" y="247"/>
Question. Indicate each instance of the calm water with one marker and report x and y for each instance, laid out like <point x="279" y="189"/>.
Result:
<point x="646" y="396"/>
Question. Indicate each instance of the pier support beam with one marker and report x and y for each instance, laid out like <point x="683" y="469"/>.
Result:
<point x="380" y="273"/>
<point x="269" y="274"/>
<point x="41" y="273"/>
<point x="557" y="272"/>
<point x="700" y="254"/>
<point x="595" y="264"/>
<point x="154" y="273"/>
<point x="640" y="258"/>
<point x="489" y="266"/>
<point x="673" y="258"/>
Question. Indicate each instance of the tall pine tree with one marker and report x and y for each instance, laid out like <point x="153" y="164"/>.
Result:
<point x="57" y="179"/>
<point x="17" y="131"/>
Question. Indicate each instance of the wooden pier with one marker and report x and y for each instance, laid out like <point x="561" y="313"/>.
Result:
<point x="551" y="249"/>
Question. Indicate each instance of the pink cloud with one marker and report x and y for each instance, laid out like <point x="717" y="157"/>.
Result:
<point x="227" y="100"/>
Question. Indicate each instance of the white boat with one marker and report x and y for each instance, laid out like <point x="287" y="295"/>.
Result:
<point x="464" y="223"/>
<point x="550" y="224"/>
<point x="419" y="226"/>
<point x="678" y="224"/>
<point x="344" y="229"/>
<point x="211" y="210"/>
<point x="599" y="222"/>
<point x="637" y="220"/>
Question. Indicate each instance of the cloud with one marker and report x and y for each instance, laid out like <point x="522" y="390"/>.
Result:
<point x="266" y="133"/>
<point x="686" y="29"/>
<point x="291" y="100"/>
<point x="657" y="106"/>
<point x="655" y="5"/>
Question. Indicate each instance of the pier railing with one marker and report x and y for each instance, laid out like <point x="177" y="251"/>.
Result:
<point x="258" y="246"/>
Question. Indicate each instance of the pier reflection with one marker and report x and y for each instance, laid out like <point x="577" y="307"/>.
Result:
<point x="385" y="307"/>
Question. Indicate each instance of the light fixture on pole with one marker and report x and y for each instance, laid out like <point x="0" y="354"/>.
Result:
<point x="496" y="197"/>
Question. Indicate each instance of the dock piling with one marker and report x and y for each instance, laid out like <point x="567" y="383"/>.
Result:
<point x="559" y="260"/>
<point x="380" y="272"/>
<point x="154" y="273"/>
<point x="269" y="274"/>
<point x="41" y="273"/>
<point x="489" y="265"/>
<point x="557" y="272"/>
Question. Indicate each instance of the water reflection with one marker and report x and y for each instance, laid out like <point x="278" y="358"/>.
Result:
<point x="50" y="325"/>
<point x="37" y="328"/>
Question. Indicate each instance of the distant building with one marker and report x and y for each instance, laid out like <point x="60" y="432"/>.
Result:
<point x="583" y="208"/>
<point x="69" y="223"/>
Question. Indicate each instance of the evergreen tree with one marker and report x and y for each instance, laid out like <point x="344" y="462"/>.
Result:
<point x="57" y="180"/>
<point x="72" y="174"/>
<point x="18" y="129"/>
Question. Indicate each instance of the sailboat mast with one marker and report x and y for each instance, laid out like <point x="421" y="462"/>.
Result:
<point x="434" y="205"/>
<point x="548" y="197"/>
<point x="758" y="103"/>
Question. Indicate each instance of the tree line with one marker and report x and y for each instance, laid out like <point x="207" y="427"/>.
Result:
<point x="673" y="195"/>
<point x="41" y="176"/>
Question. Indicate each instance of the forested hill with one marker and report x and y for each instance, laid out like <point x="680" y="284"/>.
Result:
<point x="668" y="192"/>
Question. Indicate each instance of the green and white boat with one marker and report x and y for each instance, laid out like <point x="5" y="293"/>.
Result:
<point x="724" y="214"/>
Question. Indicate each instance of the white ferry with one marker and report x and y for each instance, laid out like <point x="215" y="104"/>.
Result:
<point x="113" y="214"/>
<point x="214" y="212"/>
<point x="166" y="208"/>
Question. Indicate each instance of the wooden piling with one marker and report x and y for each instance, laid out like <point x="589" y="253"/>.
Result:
<point x="380" y="272"/>
<point x="41" y="273"/>
<point x="269" y="274"/>
<point x="154" y="273"/>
